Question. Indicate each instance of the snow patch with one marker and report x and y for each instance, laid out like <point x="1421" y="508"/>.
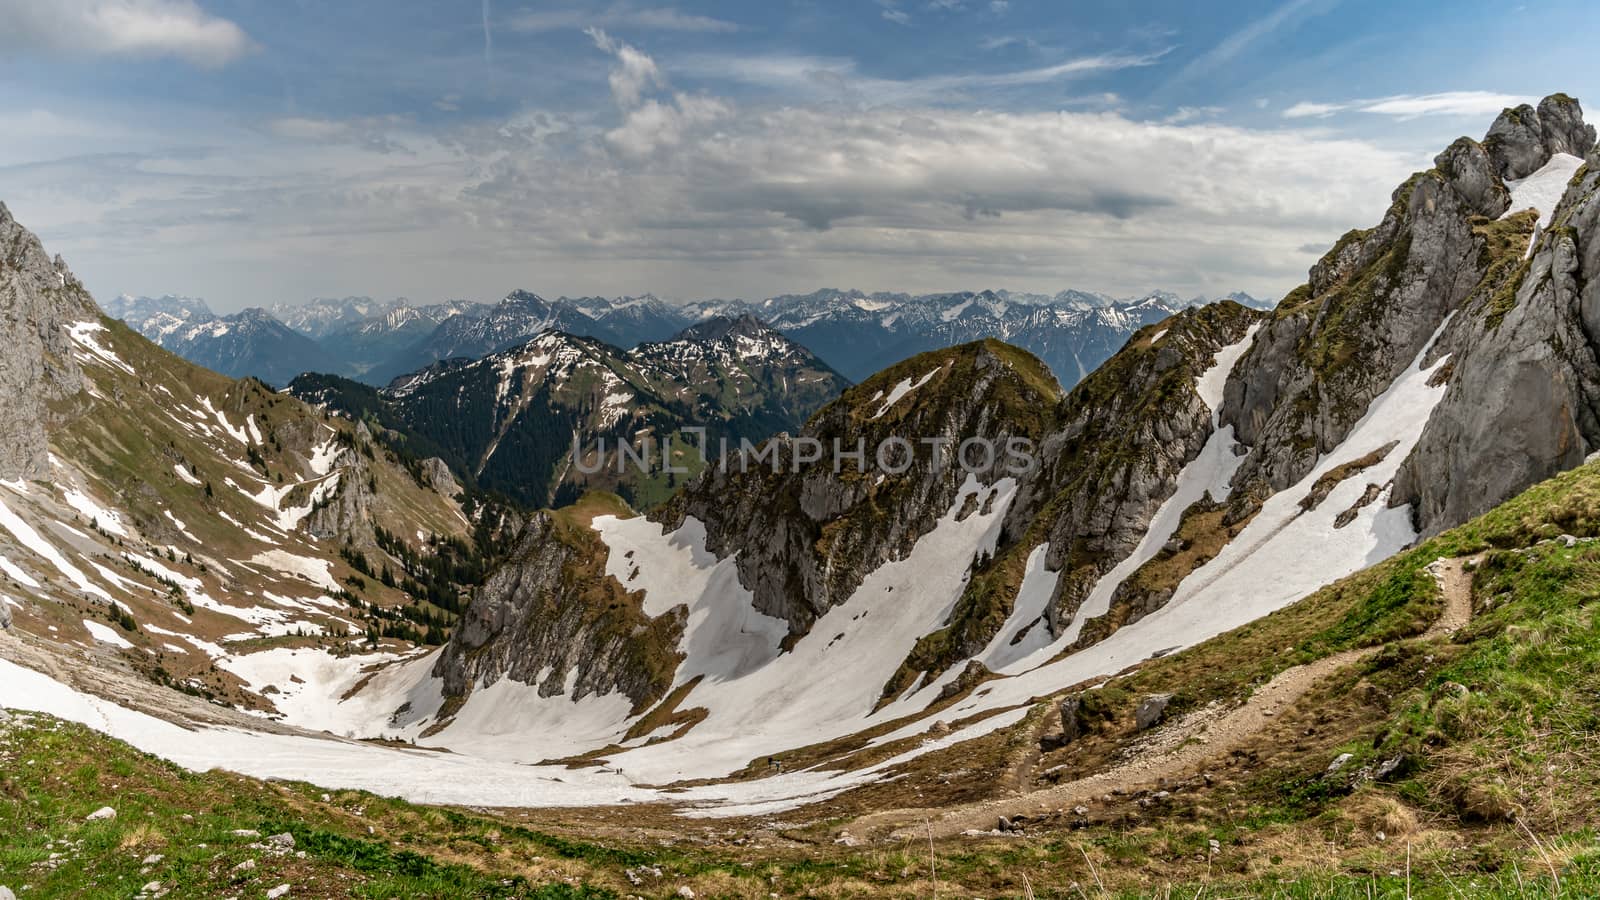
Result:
<point x="29" y="538"/>
<point x="94" y="512"/>
<point x="106" y="635"/>
<point x="900" y="390"/>
<point x="1544" y="189"/>
<point x="84" y="334"/>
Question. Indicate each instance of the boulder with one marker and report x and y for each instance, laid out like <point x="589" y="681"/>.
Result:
<point x="437" y="475"/>
<point x="1151" y="709"/>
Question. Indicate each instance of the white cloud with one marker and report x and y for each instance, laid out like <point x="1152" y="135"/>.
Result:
<point x="1455" y="103"/>
<point x="1475" y="104"/>
<point x="684" y="194"/>
<point x="1307" y="110"/>
<point x="833" y="77"/>
<point x="634" y="72"/>
<point x="134" y="28"/>
<point x="654" y="19"/>
<point x="897" y="16"/>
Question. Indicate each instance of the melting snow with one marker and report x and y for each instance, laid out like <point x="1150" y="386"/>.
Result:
<point x="778" y="706"/>
<point x="1033" y="597"/>
<point x="85" y="505"/>
<point x="1544" y="189"/>
<point x="29" y="538"/>
<point x="105" y="634"/>
<point x="420" y="776"/>
<point x="900" y="390"/>
<point x="1210" y="471"/>
<point x="1261" y="570"/>
<point x="84" y="334"/>
<point x="16" y="574"/>
<point x="317" y="571"/>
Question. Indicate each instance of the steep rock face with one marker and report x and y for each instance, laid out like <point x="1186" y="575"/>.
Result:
<point x="39" y="299"/>
<point x="550" y="617"/>
<point x="346" y="515"/>
<point x="806" y="535"/>
<point x="1524" y="400"/>
<point x="1127" y="433"/>
<point x="1121" y="439"/>
<point x="1372" y="303"/>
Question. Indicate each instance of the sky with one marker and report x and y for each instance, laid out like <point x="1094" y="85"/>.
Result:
<point x="253" y="152"/>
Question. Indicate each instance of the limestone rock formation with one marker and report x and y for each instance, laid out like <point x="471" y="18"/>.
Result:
<point x="550" y="618"/>
<point x="39" y="299"/>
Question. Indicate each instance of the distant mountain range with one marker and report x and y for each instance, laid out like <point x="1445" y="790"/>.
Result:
<point x="855" y="333"/>
<point x="508" y="422"/>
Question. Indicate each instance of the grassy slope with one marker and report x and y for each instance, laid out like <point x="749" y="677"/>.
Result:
<point x="128" y="441"/>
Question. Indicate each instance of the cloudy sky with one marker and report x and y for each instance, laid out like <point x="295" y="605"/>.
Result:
<point x="258" y="151"/>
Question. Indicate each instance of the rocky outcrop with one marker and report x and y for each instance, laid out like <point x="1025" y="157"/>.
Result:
<point x="1372" y="303"/>
<point x="346" y="515"/>
<point x="1128" y="431"/>
<point x="1524" y="400"/>
<point x="1523" y="139"/>
<point x="807" y="535"/>
<point x="551" y="618"/>
<point x="39" y="299"/>
<point x="435" y="473"/>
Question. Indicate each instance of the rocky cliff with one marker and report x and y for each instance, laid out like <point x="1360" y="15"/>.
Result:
<point x="806" y="532"/>
<point x="1524" y="397"/>
<point x="549" y="617"/>
<point x="39" y="300"/>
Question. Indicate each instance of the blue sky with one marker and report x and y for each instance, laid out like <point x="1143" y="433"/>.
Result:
<point x="258" y="151"/>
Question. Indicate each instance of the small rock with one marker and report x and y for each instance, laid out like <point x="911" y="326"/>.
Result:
<point x="1389" y="767"/>
<point x="5" y="893"/>
<point x="686" y="892"/>
<point x="153" y="887"/>
<point x="281" y="890"/>
<point x="1339" y="761"/>
<point x="1151" y="710"/>
<point x="284" y="841"/>
<point x="1004" y="824"/>
<point x="152" y="859"/>
<point x="246" y="866"/>
<point x="103" y="814"/>
<point x="1080" y="810"/>
<point x="247" y="833"/>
